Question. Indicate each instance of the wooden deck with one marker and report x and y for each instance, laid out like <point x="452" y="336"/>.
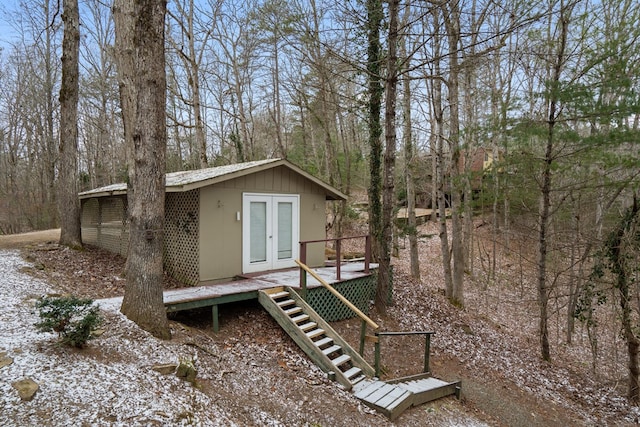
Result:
<point x="244" y="289"/>
<point x="248" y="288"/>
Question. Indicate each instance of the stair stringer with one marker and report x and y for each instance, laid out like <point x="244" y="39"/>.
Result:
<point x="305" y="343"/>
<point x="356" y="359"/>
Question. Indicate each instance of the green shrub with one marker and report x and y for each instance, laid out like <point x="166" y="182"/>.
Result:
<point x="73" y="319"/>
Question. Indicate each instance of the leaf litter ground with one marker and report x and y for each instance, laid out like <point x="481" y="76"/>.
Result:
<point x="251" y="373"/>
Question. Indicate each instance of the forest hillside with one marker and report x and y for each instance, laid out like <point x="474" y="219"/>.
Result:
<point x="252" y="373"/>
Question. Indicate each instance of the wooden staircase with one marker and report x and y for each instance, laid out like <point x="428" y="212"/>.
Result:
<point x="315" y="336"/>
<point x="340" y="361"/>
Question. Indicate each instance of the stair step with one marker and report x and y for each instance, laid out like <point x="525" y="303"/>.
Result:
<point x="285" y="303"/>
<point x="353" y="373"/>
<point x="327" y="351"/>
<point x="341" y="360"/>
<point x="308" y="326"/>
<point x="280" y="294"/>
<point x="292" y="311"/>
<point x="358" y="379"/>
<point x="324" y="341"/>
<point x="300" y="318"/>
<point x="315" y="333"/>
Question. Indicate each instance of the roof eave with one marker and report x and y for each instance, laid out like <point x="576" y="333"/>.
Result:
<point x="331" y="193"/>
<point x="83" y="196"/>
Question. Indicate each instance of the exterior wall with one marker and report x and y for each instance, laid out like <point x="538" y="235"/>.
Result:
<point x="203" y="232"/>
<point x="181" y="248"/>
<point x="89" y="220"/>
<point x="220" y="252"/>
<point x="221" y="230"/>
<point x="104" y="223"/>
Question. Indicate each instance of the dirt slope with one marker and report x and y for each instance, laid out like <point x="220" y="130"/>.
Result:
<point x="16" y="241"/>
<point x="254" y="370"/>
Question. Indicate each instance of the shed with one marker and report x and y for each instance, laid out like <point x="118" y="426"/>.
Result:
<point x="222" y="222"/>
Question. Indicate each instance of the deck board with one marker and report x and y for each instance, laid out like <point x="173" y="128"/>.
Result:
<point x="182" y="295"/>
<point x="211" y="295"/>
<point x="291" y="277"/>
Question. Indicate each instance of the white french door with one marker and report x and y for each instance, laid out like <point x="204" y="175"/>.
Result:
<point x="270" y="231"/>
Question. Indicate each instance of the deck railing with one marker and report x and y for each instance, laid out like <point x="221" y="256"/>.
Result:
<point x="338" y="245"/>
<point x="427" y="347"/>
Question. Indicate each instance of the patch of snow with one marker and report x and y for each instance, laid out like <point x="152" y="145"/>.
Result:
<point x="98" y="385"/>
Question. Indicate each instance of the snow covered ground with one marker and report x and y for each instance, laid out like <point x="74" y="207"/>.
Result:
<point x="251" y="374"/>
<point x="110" y="384"/>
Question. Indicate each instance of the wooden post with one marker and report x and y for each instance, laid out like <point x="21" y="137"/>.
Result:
<point x="363" y="333"/>
<point x="303" y="259"/>
<point x="303" y="284"/>
<point x="377" y="355"/>
<point x="303" y="273"/>
<point x="338" y="259"/>
<point x="427" y="350"/>
<point x="99" y="226"/>
<point x="367" y="253"/>
<point x="214" y="316"/>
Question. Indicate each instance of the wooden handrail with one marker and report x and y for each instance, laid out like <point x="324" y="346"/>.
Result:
<point x="338" y="295"/>
<point x="337" y="240"/>
<point x="360" y="236"/>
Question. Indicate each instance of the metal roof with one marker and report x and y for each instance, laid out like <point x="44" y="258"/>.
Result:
<point x="190" y="180"/>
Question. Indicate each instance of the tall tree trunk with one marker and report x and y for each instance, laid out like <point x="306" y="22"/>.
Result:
<point x="619" y="259"/>
<point x="408" y="159"/>
<point x="439" y="156"/>
<point x="374" y="20"/>
<point x="194" y="62"/>
<point x="192" y="58"/>
<point x="452" y="24"/>
<point x="495" y="116"/>
<point x="384" y="269"/>
<point x="433" y="147"/>
<point x="277" y="113"/>
<point x="141" y="71"/>
<point x="68" y="202"/>
<point x="575" y="269"/>
<point x="329" y="106"/>
<point x="544" y="215"/>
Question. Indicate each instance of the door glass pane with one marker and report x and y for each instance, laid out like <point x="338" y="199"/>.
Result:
<point x="258" y="232"/>
<point x="285" y="225"/>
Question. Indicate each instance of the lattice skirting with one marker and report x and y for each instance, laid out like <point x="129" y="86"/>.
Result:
<point x="181" y="231"/>
<point x="361" y="292"/>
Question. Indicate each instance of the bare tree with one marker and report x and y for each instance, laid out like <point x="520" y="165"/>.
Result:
<point x="409" y="150"/>
<point x="100" y="134"/>
<point x="68" y="202"/>
<point x="388" y="187"/>
<point x="235" y="71"/>
<point x="437" y="126"/>
<point x="374" y="104"/>
<point x="34" y="124"/>
<point x="140" y="57"/>
<point x="190" y="47"/>
<point x="546" y="186"/>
